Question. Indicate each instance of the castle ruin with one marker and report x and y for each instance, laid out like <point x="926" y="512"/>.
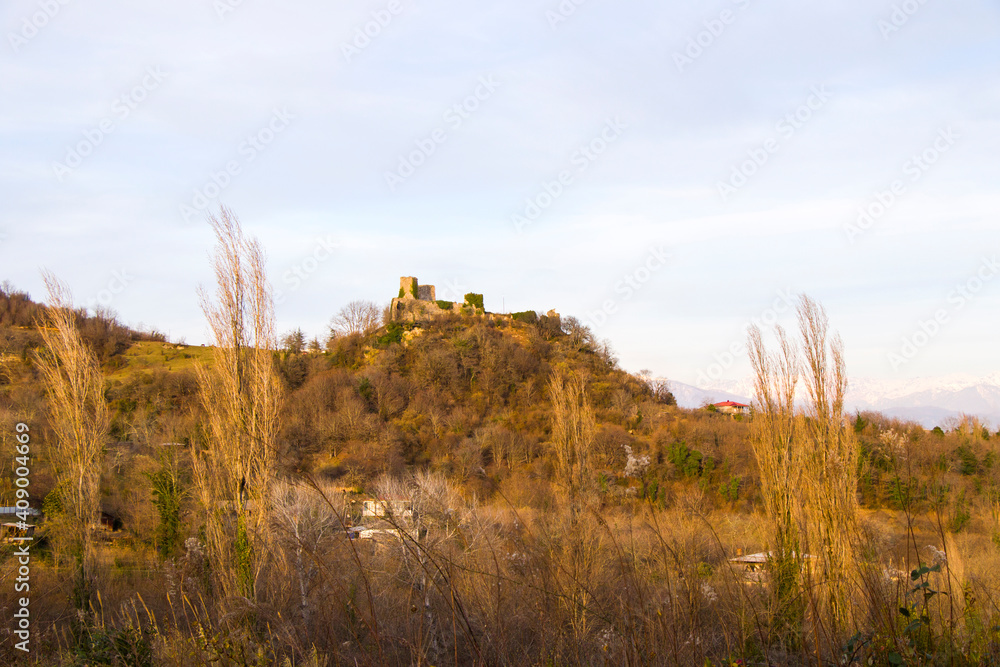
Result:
<point x="419" y="302"/>
<point x="416" y="302"/>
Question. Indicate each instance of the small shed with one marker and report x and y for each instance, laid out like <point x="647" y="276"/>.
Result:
<point x="753" y="565"/>
<point x="16" y="532"/>
<point x="398" y="507"/>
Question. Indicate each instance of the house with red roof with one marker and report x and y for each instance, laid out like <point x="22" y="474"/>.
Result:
<point x="732" y="408"/>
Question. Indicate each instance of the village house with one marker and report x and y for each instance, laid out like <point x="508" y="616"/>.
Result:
<point x="732" y="408"/>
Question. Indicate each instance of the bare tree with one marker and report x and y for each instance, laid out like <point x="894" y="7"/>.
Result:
<point x="580" y="334"/>
<point x="241" y="395"/>
<point x="433" y="513"/>
<point x="357" y="317"/>
<point x="80" y="421"/>
<point x="658" y="387"/>
<point x="573" y="426"/>
<point x="308" y="522"/>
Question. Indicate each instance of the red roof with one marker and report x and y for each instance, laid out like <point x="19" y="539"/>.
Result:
<point x="730" y="404"/>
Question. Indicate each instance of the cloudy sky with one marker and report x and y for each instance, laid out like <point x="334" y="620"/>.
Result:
<point x="666" y="172"/>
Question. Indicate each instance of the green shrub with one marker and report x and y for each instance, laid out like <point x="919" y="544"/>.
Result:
<point x="527" y="316"/>
<point x="401" y="293"/>
<point x="961" y="516"/>
<point x="687" y="460"/>
<point x="730" y="490"/>
<point x="860" y="423"/>
<point x="414" y="290"/>
<point x="475" y="300"/>
<point x="365" y="390"/>
<point x="393" y="334"/>
<point x="52" y="504"/>
<point x="444" y="305"/>
<point x="99" y="645"/>
<point x="167" y="493"/>
<point x="902" y="493"/>
<point x="968" y="464"/>
<point x="708" y="465"/>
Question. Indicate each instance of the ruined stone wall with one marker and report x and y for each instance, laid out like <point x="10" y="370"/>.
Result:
<point x="418" y="303"/>
<point x="417" y="310"/>
<point x="409" y="287"/>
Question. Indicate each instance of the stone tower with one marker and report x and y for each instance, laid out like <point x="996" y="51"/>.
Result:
<point x="409" y="287"/>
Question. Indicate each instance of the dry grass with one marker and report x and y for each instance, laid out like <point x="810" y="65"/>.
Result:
<point x="553" y="562"/>
<point x="155" y="356"/>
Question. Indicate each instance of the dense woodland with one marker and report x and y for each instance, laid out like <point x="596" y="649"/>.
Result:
<point x="568" y="512"/>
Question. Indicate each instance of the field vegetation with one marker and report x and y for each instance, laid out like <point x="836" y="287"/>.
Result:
<point x="542" y="505"/>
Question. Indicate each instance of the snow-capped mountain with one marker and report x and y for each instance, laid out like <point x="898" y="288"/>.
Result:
<point x="929" y="401"/>
<point x="689" y="396"/>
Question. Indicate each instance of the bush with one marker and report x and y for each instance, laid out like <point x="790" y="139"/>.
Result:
<point x="968" y="463"/>
<point x="687" y="460"/>
<point x="475" y="300"/>
<point x="444" y="305"/>
<point x="393" y="334"/>
<point x="730" y="490"/>
<point x="527" y="316"/>
<point x="347" y="351"/>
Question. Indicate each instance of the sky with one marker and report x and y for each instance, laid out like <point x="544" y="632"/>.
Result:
<point x="668" y="173"/>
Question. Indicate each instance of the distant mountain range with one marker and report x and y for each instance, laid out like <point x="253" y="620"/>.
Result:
<point x="928" y="401"/>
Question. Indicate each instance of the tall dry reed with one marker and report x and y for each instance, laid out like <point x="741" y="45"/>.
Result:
<point x="80" y="420"/>
<point x="241" y="396"/>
